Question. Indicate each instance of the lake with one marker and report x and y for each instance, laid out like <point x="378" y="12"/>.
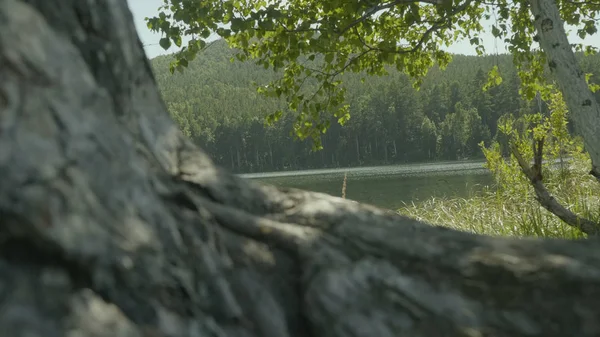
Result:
<point x="388" y="186"/>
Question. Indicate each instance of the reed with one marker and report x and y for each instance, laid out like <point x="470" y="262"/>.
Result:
<point x="344" y="184"/>
<point x="515" y="211"/>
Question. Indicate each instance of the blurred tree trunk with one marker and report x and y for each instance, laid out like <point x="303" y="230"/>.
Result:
<point x="114" y="224"/>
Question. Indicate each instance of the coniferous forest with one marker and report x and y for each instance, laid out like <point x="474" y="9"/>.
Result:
<point x="216" y="104"/>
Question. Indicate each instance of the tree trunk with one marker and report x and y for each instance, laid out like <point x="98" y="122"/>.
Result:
<point x="571" y="79"/>
<point x="356" y="142"/>
<point x="271" y="155"/>
<point x="113" y="224"/>
<point x="385" y="152"/>
<point x="258" y="165"/>
<point x="245" y="160"/>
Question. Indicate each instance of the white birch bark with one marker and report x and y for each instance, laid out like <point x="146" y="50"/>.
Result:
<point x="561" y="59"/>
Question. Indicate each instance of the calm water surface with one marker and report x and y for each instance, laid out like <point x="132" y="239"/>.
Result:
<point x="388" y="186"/>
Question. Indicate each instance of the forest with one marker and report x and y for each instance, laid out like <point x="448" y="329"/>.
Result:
<point x="216" y="104"/>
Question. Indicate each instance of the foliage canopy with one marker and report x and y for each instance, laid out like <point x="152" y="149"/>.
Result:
<point x="317" y="41"/>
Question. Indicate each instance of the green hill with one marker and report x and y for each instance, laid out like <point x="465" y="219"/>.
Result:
<point x="215" y="103"/>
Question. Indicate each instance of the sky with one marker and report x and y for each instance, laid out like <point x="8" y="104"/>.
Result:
<point x="149" y="8"/>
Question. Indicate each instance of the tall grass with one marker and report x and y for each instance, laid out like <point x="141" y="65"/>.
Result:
<point x="512" y="210"/>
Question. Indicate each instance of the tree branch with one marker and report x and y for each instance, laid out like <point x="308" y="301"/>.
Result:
<point x="591" y="3"/>
<point x="534" y="174"/>
<point x="377" y="8"/>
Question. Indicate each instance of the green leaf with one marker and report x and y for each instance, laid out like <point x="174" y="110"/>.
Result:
<point x="165" y="43"/>
<point x="495" y="31"/>
<point x="177" y="40"/>
<point x="237" y="24"/>
<point x="329" y="57"/>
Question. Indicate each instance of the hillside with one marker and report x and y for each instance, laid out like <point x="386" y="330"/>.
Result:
<point x="215" y="103"/>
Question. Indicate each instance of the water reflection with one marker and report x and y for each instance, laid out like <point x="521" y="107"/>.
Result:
<point x="389" y="186"/>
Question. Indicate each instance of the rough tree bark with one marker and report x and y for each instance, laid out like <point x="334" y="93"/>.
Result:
<point x="113" y="224"/>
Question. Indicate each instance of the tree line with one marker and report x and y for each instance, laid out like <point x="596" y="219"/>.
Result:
<point x="215" y="103"/>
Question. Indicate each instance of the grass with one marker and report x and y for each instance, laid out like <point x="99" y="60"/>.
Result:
<point x="513" y="210"/>
<point x="344" y="185"/>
